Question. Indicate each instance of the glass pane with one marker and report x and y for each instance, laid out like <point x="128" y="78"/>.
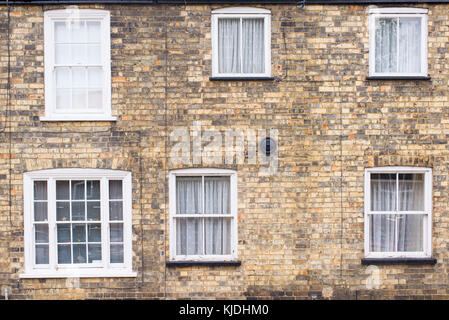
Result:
<point x="189" y="193"/>
<point x="79" y="233"/>
<point x="94" y="54"/>
<point x="409" y="45"/>
<point x="62" y="211"/>
<point x="217" y="235"/>
<point x="77" y="190"/>
<point x="386" y="45"/>
<point x="411" y="192"/>
<point x="41" y="233"/>
<point x="79" y="54"/>
<point x="79" y="99"/>
<point x="93" y="210"/>
<point x="40" y="190"/>
<point x="382" y="232"/>
<point x="78" y="211"/>
<point x="42" y="256"/>
<point x="410" y="232"/>
<point x="78" y="31"/>
<point x="93" y="190"/>
<point x="217" y="195"/>
<point x="95" y="77"/>
<point x="61" y="32"/>
<point x="383" y="192"/>
<point x="189" y="236"/>
<point x="115" y="189"/>
<point x="40" y="211"/>
<point x="79" y="253"/>
<point x="116" y="253"/>
<point x="64" y="253"/>
<point x="116" y="232"/>
<point x="94" y="253"/>
<point x="63" y="233"/>
<point x="229" y="46"/>
<point x="62" y="75"/>
<point x="62" y="190"/>
<point x="79" y="78"/>
<point x="95" y="99"/>
<point x="62" y="54"/>
<point x="94" y="232"/>
<point x="253" y="44"/>
<point x="63" y="99"/>
<point x="93" y="31"/>
<point x="115" y="210"/>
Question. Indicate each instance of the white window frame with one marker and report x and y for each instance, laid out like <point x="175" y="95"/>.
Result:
<point x="241" y="12"/>
<point x="102" y="269"/>
<point x="51" y="114"/>
<point x="233" y="206"/>
<point x="397" y="13"/>
<point x="427" y="224"/>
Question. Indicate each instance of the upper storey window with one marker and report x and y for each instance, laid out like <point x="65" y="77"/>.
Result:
<point x="241" y="42"/>
<point x="398" y="42"/>
<point x="77" y="65"/>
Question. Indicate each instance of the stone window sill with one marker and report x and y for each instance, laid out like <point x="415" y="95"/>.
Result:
<point x="367" y="261"/>
<point x="202" y="263"/>
<point x="398" y="78"/>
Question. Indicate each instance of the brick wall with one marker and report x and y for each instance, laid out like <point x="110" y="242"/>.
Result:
<point x="300" y="231"/>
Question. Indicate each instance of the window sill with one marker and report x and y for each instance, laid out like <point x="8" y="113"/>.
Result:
<point x="79" y="118"/>
<point x="398" y="78"/>
<point x="241" y="78"/>
<point x="367" y="261"/>
<point x="202" y="263"/>
<point x="79" y="274"/>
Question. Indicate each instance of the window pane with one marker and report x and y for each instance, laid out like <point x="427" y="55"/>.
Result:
<point x="116" y="255"/>
<point x="410" y="232"/>
<point x="40" y="211"/>
<point x="79" y="233"/>
<point x="79" y="78"/>
<point x="79" y="99"/>
<point x="64" y="254"/>
<point x="41" y="233"/>
<point x="229" y="46"/>
<point x="409" y="45"/>
<point x="382" y="232"/>
<point x="93" y="31"/>
<point x="78" y="54"/>
<point x="63" y="99"/>
<point x="62" y="77"/>
<point x="95" y="99"/>
<point x="94" y="253"/>
<point x="94" y="54"/>
<point x="62" y="211"/>
<point x="115" y="210"/>
<point x="217" y="235"/>
<point x="42" y="256"/>
<point x="93" y="190"/>
<point x="61" y="32"/>
<point x="95" y="77"/>
<point x="94" y="232"/>
<point x="189" y="236"/>
<point x="253" y="46"/>
<point x="216" y="193"/>
<point x="93" y="210"/>
<point x="40" y="190"/>
<point x="79" y="253"/>
<point x="78" y="31"/>
<point x="77" y="190"/>
<point x="63" y="233"/>
<point x="62" y="54"/>
<point x="189" y="198"/>
<point x="386" y="45"/>
<point x="411" y="192"/>
<point x="383" y="192"/>
<point x="116" y="232"/>
<point x="62" y="190"/>
<point x="78" y="211"/>
<point x="115" y="189"/>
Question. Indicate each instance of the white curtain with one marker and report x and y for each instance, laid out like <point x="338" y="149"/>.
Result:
<point x="198" y="236"/>
<point x="391" y="56"/>
<point x="229" y="45"/>
<point x="253" y="46"/>
<point x="383" y="227"/>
